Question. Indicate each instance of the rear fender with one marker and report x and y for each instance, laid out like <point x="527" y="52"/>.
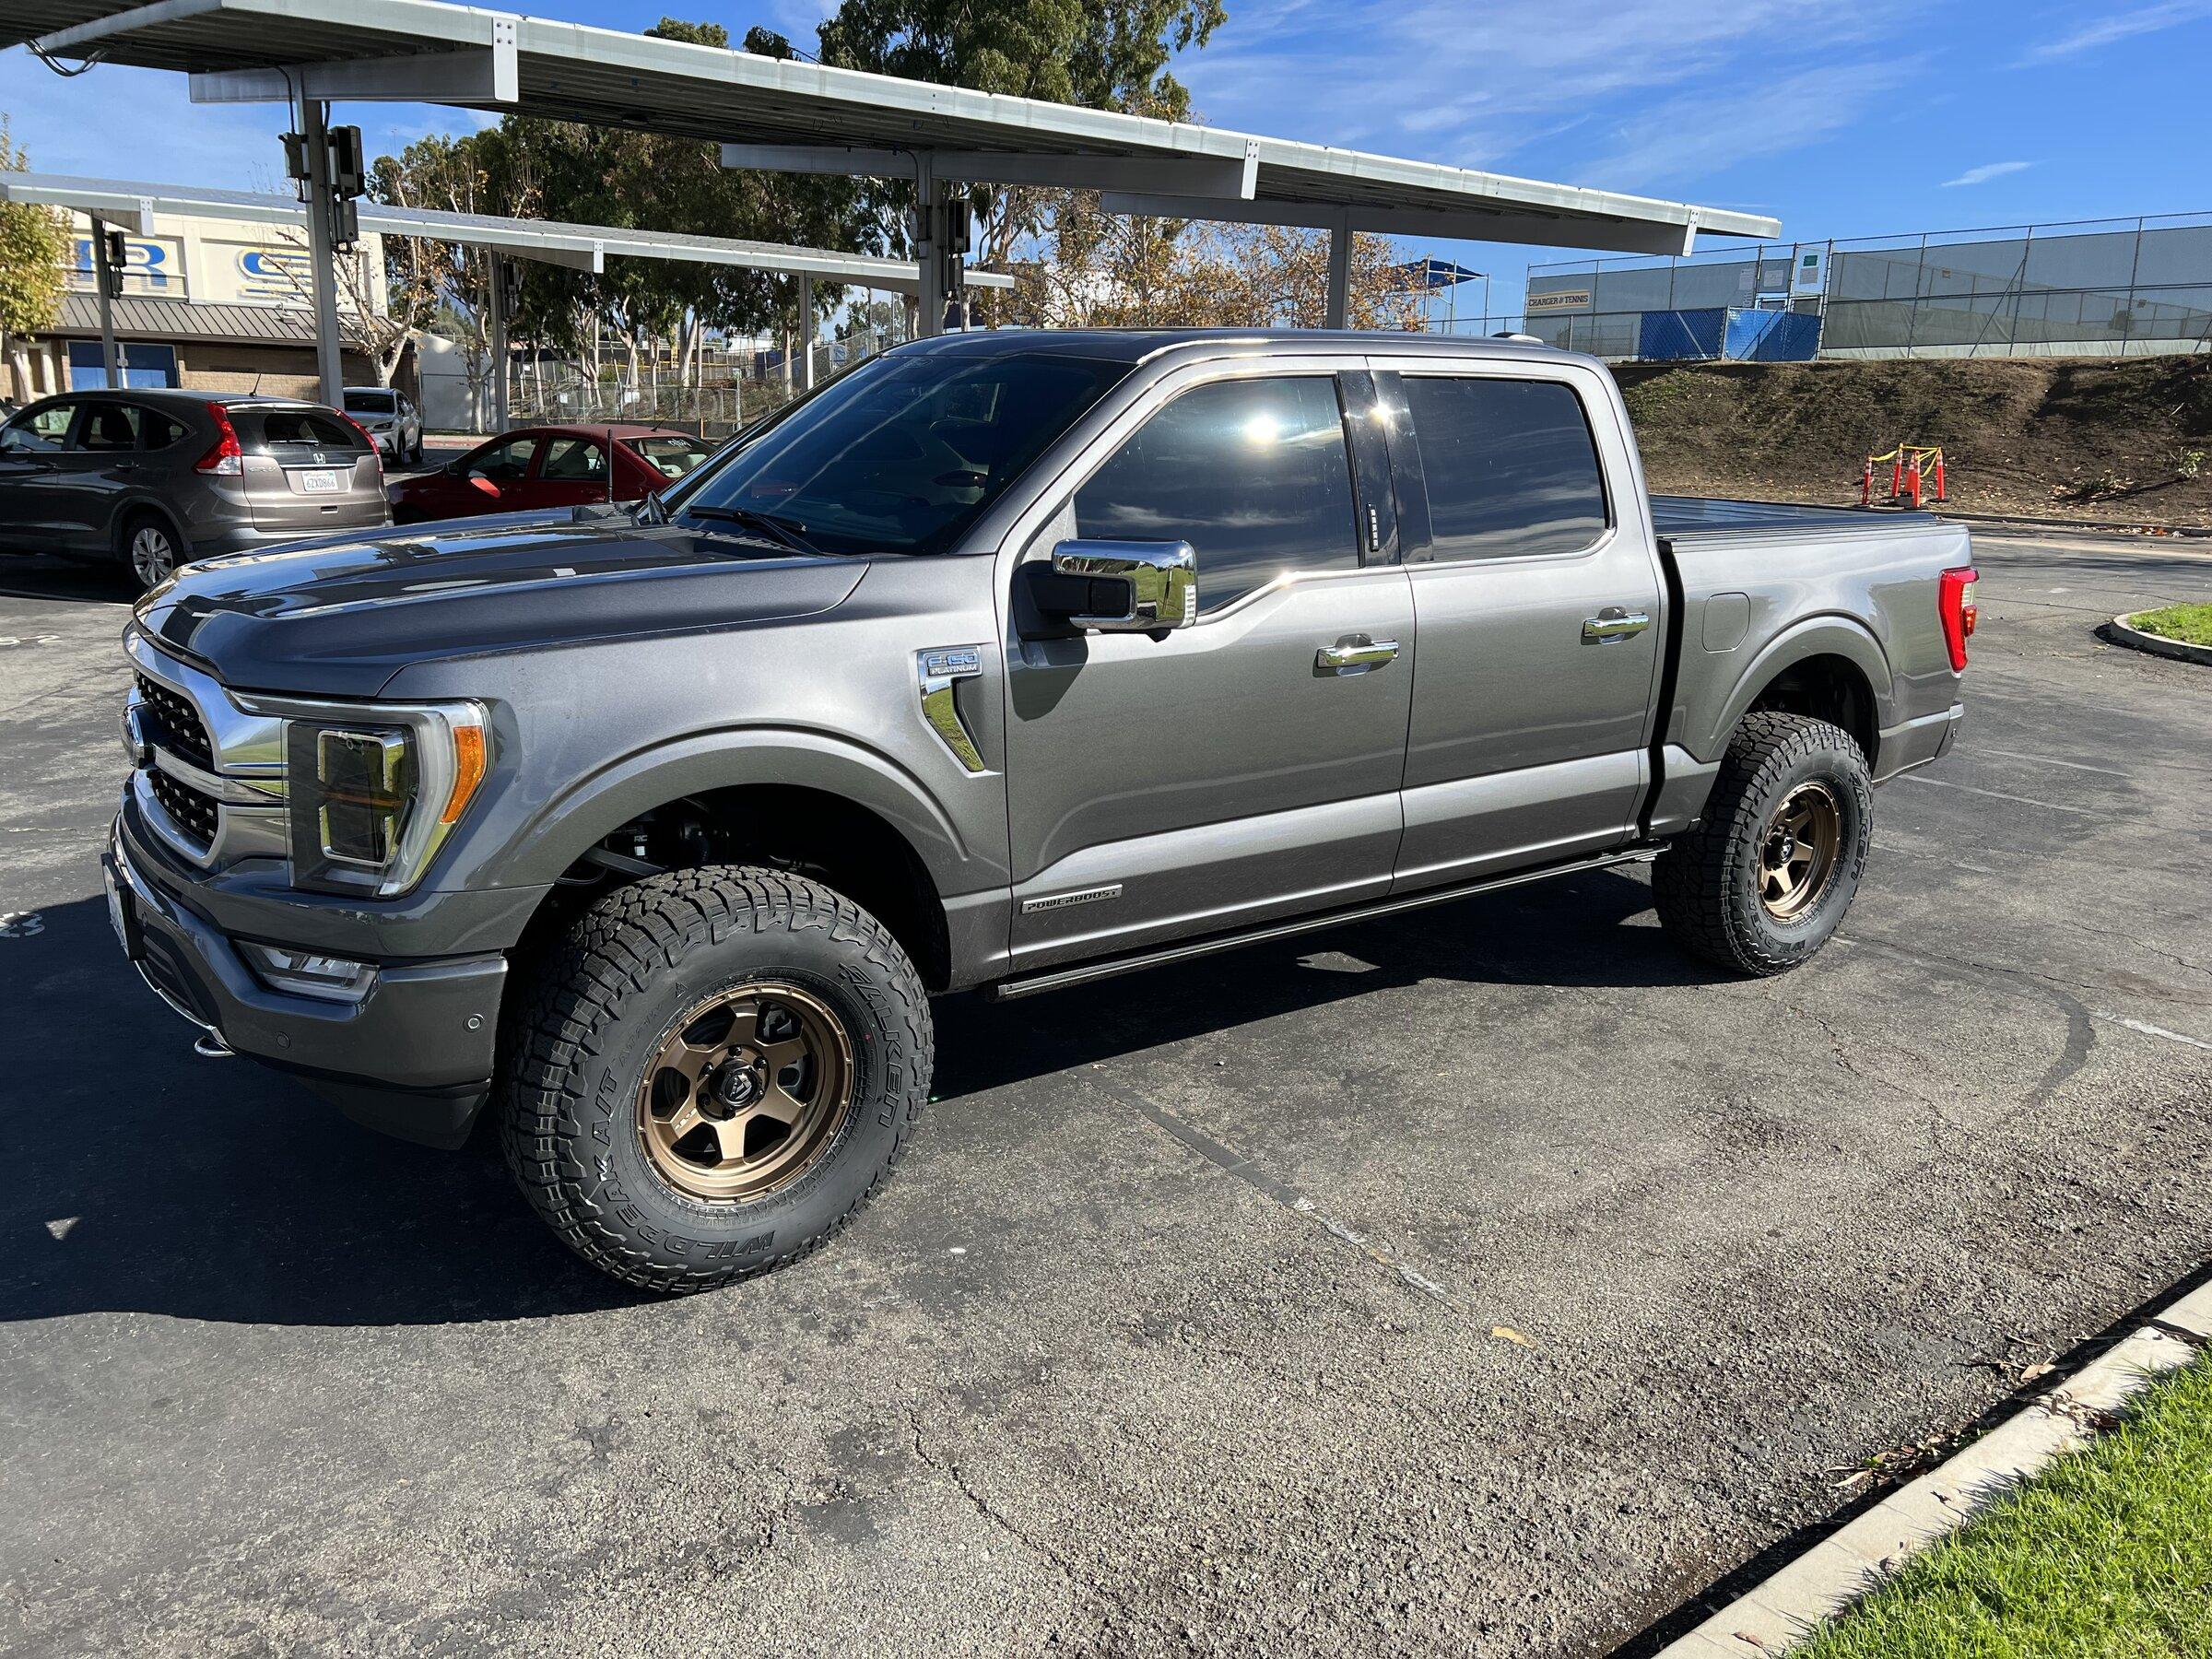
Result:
<point x="1705" y="732"/>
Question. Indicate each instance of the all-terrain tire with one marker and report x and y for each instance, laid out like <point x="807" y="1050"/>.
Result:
<point x="1707" y="884"/>
<point x="596" y="1012"/>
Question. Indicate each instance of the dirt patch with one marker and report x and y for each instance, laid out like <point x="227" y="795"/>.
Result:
<point x="2089" y="438"/>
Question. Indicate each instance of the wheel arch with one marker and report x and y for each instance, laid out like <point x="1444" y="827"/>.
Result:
<point x="130" y="511"/>
<point x="1831" y="667"/>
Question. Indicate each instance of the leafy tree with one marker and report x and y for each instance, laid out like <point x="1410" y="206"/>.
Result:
<point x="34" y="254"/>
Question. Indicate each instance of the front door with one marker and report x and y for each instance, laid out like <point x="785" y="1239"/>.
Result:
<point x="1526" y="542"/>
<point x="35" y="487"/>
<point x="1238" y="768"/>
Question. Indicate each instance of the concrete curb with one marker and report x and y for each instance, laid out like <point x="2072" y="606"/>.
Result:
<point x="1784" y="1609"/>
<point x="2134" y="639"/>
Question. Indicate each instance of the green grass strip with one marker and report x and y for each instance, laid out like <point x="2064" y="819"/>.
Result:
<point x="2191" y="624"/>
<point x="2106" y="1555"/>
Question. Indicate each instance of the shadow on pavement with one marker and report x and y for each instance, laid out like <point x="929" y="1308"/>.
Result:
<point x="141" y="1177"/>
<point x="42" y="576"/>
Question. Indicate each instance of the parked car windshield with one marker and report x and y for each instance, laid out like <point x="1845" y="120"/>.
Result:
<point x="370" y="403"/>
<point x="902" y="454"/>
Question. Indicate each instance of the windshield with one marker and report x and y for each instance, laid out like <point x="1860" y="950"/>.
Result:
<point x="902" y="454"/>
<point x="369" y="402"/>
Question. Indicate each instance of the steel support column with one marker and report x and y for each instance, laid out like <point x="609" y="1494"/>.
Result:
<point x="322" y="236"/>
<point x="930" y="220"/>
<point x="103" y="276"/>
<point x="499" y="342"/>
<point x="807" y="330"/>
<point x="1340" y="273"/>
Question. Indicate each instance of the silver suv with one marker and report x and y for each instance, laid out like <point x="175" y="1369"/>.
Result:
<point x="153" y="479"/>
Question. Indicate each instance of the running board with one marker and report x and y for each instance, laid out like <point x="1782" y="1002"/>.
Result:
<point x="1057" y="979"/>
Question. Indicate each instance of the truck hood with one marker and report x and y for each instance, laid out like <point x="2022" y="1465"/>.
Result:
<point x="340" y="617"/>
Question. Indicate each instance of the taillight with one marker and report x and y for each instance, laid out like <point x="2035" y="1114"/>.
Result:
<point x="225" y="458"/>
<point x="1955" y="600"/>
<point x="363" y="431"/>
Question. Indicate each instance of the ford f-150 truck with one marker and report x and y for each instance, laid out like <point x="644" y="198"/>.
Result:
<point x="1004" y="662"/>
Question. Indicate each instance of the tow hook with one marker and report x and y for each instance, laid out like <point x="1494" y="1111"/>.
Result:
<point x="208" y="1046"/>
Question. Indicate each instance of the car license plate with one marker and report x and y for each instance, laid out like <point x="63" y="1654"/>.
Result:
<point x="119" y="913"/>
<point x="319" y="483"/>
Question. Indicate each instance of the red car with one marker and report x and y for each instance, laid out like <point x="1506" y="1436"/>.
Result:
<point x="548" y="466"/>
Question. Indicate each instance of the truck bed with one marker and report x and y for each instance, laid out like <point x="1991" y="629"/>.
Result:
<point x="1679" y="518"/>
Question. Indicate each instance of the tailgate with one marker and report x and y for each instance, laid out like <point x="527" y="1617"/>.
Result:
<point x="308" y="471"/>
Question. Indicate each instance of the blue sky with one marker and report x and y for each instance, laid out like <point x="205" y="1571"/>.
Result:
<point x="1840" y="117"/>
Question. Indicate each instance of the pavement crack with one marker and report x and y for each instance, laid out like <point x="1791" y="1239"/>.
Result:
<point x="950" y="1470"/>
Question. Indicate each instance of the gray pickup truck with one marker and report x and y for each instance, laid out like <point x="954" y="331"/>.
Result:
<point x="1005" y="662"/>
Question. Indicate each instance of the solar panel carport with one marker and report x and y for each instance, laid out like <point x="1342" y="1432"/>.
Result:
<point x="778" y="114"/>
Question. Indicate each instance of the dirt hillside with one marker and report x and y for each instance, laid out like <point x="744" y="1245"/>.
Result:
<point x="2122" y="439"/>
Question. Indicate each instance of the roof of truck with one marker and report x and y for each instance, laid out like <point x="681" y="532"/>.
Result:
<point x="1138" y="344"/>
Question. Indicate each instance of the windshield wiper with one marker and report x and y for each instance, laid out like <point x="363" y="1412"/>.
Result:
<point x="775" y="529"/>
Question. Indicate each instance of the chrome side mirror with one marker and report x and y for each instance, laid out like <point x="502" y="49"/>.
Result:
<point x="1126" y="586"/>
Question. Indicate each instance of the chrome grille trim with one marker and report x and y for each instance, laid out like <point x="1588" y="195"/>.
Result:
<point x="210" y="774"/>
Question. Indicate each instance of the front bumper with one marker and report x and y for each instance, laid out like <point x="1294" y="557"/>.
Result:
<point x="413" y="1058"/>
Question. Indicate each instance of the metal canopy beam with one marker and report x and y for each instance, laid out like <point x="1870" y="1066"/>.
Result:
<point x="1542" y="230"/>
<point x="471" y="76"/>
<point x="581" y="247"/>
<point x="1194" y="175"/>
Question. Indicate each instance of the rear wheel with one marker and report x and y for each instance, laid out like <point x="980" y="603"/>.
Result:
<point x="151" y="550"/>
<point x="1765" y="879"/>
<point x="714" y="1071"/>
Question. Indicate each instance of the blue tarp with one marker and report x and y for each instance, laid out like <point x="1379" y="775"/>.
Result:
<point x="1749" y="336"/>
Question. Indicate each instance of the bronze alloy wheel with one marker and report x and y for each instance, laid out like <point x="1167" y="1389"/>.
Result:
<point x="746" y="1092"/>
<point x="1798" y="851"/>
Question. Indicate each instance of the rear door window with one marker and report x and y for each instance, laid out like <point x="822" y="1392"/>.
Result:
<point x="1254" y="474"/>
<point x="1510" y="467"/>
<point x="506" y="461"/>
<point x="573" y="460"/>
<point x="107" y="428"/>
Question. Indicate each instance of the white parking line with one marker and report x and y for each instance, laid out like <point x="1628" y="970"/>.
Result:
<point x="1998" y="794"/>
<point x="2149" y="1029"/>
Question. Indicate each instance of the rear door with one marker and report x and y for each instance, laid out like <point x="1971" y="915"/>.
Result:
<point x="1537" y="594"/>
<point x="571" y="471"/>
<point x="1228" y="771"/>
<point x="306" y="470"/>
<point x="100" y="470"/>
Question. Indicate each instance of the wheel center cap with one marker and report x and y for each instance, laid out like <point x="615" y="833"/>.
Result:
<point x="1785" y="847"/>
<point x="735" y="1086"/>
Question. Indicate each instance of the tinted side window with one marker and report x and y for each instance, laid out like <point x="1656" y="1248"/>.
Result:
<point x="1511" y="466"/>
<point x="1254" y="474"/>
<point x="107" y="427"/>
<point x="159" y="429"/>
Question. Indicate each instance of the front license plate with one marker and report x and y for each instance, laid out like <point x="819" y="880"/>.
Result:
<point x="119" y="913"/>
<point x="319" y="483"/>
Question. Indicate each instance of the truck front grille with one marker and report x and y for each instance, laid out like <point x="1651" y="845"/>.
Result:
<point x="192" y="812"/>
<point x="181" y="730"/>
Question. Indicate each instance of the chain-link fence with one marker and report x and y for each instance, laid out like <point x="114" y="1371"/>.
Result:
<point x="725" y="390"/>
<point x="2094" y="288"/>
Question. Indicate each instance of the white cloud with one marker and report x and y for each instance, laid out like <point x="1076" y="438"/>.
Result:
<point x="1983" y="175"/>
<point x="2119" y="26"/>
<point x="1695" y="135"/>
<point x="1473" y="85"/>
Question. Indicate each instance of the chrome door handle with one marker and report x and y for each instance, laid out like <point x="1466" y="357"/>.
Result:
<point x="1613" y="623"/>
<point x="1355" y="654"/>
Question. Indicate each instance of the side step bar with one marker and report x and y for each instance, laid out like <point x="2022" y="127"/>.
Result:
<point x="1083" y="973"/>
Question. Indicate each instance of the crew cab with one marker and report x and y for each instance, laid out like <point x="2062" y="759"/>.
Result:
<point x="1007" y="663"/>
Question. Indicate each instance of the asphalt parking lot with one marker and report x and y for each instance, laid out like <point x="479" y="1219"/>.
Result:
<point x="1488" y="1280"/>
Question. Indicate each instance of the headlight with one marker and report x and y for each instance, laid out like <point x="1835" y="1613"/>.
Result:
<point x="373" y="792"/>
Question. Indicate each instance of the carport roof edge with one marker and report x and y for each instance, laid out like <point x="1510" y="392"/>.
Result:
<point x="127" y="201"/>
<point x="576" y="72"/>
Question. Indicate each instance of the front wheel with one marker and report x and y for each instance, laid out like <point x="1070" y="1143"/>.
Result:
<point x="712" y="1072"/>
<point x="1764" y="879"/>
